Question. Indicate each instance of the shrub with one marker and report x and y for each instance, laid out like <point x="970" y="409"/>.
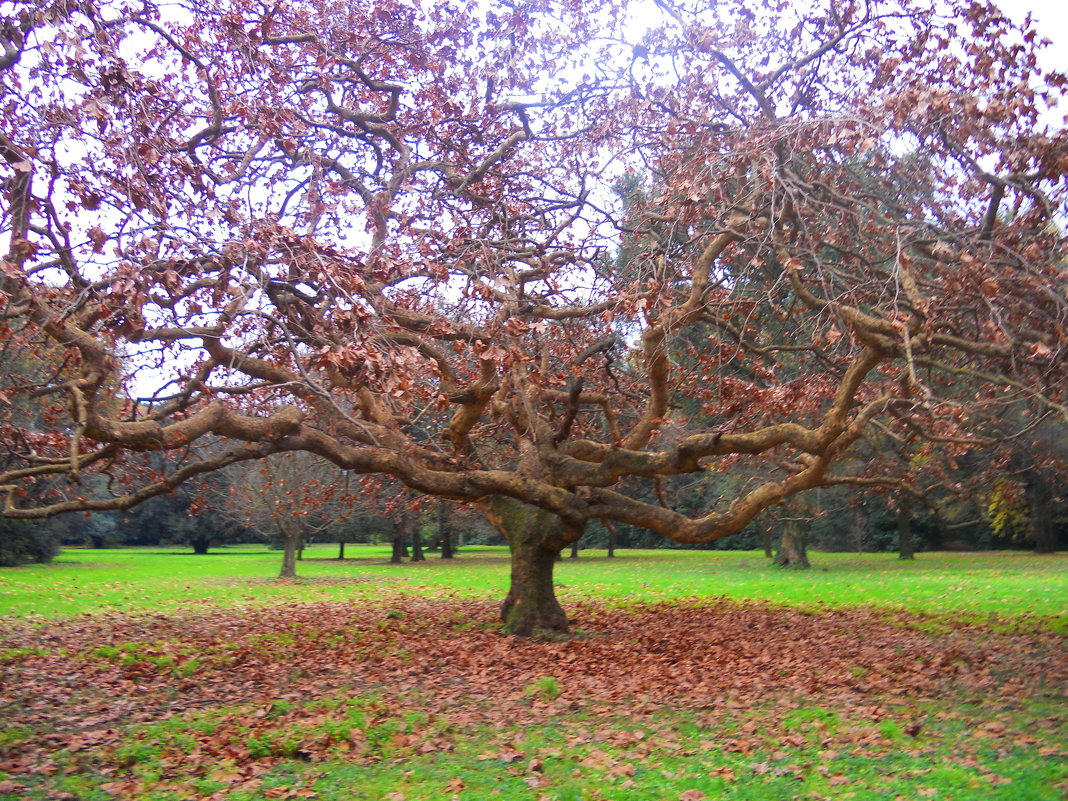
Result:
<point x="22" y="542"/>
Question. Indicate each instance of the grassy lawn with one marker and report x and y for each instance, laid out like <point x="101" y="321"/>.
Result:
<point x="1009" y="584"/>
<point x="696" y="675"/>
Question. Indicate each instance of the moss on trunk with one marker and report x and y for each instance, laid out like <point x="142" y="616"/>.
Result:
<point x="531" y="607"/>
<point x="535" y="538"/>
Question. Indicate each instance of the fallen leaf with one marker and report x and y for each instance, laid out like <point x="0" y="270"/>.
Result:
<point x="723" y="773"/>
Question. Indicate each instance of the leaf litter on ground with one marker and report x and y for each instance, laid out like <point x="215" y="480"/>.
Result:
<point x="244" y="691"/>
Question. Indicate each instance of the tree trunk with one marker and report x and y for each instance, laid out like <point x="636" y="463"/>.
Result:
<point x="341" y="550"/>
<point x="200" y="545"/>
<point x="417" y="546"/>
<point x="1039" y="506"/>
<point x="536" y="539"/>
<point x="290" y="543"/>
<point x="906" y="546"/>
<point x="444" y="536"/>
<point x="608" y="524"/>
<point x="765" y="534"/>
<point x="792" y="552"/>
<point x="531" y="607"/>
<point x="300" y="550"/>
<point x="574" y="550"/>
<point x="857" y="527"/>
<point x="400" y="547"/>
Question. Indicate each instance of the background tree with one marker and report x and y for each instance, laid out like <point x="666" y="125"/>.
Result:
<point x="380" y="238"/>
<point x="292" y="496"/>
<point x="443" y="535"/>
<point x="905" y="537"/>
<point x="794" y="522"/>
<point x="405" y="511"/>
<point x="186" y="516"/>
<point x="23" y="541"/>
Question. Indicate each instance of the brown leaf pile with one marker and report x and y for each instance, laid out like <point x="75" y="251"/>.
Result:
<point x="78" y="682"/>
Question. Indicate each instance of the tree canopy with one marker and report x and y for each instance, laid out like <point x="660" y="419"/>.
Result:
<point x="389" y="238"/>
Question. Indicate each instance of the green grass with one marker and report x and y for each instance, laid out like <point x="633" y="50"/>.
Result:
<point x="1009" y="584"/>
<point x="371" y="745"/>
<point x="791" y="751"/>
<point x="585" y="760"/>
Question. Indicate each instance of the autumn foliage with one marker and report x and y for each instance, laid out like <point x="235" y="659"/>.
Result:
<point x="535" y="258"/>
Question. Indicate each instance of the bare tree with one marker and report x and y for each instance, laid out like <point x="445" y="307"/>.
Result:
<point x="293" y="495"/>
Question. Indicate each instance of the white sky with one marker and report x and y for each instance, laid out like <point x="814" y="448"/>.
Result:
<point x="1051" y="18"/>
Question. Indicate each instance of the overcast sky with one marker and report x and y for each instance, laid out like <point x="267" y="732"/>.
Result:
<point x="1052" y="23"/>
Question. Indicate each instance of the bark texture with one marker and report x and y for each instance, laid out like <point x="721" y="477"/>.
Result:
<point x="792" y="551"/>
<point x="535" y="538"/>
<point x="531" y="607"/>
<point x="290" y="545"/>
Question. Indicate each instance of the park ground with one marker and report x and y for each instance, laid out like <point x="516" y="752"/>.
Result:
<point x="157" y="674"/>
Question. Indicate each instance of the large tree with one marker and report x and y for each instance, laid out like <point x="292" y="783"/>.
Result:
<point x="384" y="237"/>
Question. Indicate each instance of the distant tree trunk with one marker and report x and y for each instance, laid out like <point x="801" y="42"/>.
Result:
<point x="341" y="549"/>
<point x="417" y="545"/>
<point x="290" y="544"/>
<point x="906" y="546"/>
<point x="857" y="525"/>
<point x="200" y="540"/>
<point x="97" y="541"/>
<point x="444" y="535"/>
<point x="300" y="550"/>
<point x="1039" y="505"/>
<point x="766" y="535"/>
<point x="400" y="547"/>
<point x="792" y="551"/>
<point x="574" y="550"/>
<point x="608" y="524"/>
